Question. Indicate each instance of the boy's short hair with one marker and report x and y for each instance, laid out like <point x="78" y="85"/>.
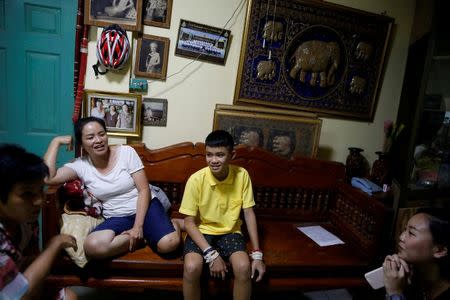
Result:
<point x="220" y="138"/>
<point x="17" y="166"/>
<point x="79" y="125"/>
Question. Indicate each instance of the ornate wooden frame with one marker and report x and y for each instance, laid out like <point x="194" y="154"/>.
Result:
<point x="312" y="56"/>
<point x="282" y="132"/>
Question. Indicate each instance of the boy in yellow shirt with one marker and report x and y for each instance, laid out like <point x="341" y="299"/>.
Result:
<point x="212" y="202"/>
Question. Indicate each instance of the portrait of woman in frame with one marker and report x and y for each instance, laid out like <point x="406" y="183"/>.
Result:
<point x="151" y="57"/>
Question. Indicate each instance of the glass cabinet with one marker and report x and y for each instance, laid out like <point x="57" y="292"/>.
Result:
<point x="422" y="154"/>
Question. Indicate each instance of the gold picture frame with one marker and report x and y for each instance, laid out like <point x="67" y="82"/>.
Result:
<point x="103" y="13"/>
<point x="120" y="111"/>
<point x="152" y="56"/>
<point x="312" y="56"/>
<point x="282" y="132"/>
<point x="157" y="13"/>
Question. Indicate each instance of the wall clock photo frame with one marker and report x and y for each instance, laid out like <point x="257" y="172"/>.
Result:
<point x="312" y="56"/>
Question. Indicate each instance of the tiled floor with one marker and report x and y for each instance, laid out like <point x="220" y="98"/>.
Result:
<point x="339" y="294"/>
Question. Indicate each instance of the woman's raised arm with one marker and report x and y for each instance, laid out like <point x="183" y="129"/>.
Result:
<point x="63" y="174"/>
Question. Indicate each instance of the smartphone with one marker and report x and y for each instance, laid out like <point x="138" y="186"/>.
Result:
<point x="375" y="278"/>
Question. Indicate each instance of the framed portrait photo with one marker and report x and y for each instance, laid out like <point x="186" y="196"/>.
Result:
<point x="284" y="133"/>
<point x="203" y="42"/>
<point x="157" y="13"/>
<point x="121" y="112"/>
<point x="152" y="55"/>
<point x="126" y="13"/>
<point x="154" y="112"/>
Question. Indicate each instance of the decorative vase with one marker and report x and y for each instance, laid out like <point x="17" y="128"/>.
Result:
<point x="354" y="165"/>
<point x="381" y="169"/>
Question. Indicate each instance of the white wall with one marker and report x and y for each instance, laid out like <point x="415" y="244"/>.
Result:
<point x="193" y="94"/>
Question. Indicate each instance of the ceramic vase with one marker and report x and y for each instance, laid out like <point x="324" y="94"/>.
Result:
<point x="354" y="164"/>
<point x="381" y="169"/>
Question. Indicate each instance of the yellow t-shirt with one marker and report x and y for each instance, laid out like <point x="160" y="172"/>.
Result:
<point x="217" y="204"/>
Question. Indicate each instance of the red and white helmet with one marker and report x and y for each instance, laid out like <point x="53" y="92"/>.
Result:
<point x="113" y="48"/>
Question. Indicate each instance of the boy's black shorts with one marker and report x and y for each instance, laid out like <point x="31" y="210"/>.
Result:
<point x="225" y="244"/>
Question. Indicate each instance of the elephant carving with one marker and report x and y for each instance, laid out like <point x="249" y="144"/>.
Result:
<point x="266" y="70"/>
<point x="318" y="58"/>
<point x="357" y="85"/>
<point x="273" y="31"/>
<point x="363" y="51"/>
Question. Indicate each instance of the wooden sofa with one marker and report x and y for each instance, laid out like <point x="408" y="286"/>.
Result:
<point x="288" y="193"/>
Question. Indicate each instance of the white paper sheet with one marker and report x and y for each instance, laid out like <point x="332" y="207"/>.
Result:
<point x="320" y="235"/>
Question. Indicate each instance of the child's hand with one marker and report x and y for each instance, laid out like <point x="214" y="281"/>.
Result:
<point x="63" y="241"/>
<point x="218" y="268"/>
<point x="258" y="265"/>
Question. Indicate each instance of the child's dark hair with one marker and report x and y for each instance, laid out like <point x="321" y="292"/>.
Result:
<point x="440" y="231"/>
<point x="79" y="125"/>
<point x="220" y="138"/>
<point x="16" y="166"/>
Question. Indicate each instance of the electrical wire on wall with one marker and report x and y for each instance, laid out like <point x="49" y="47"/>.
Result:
<point x="198" y="56"/>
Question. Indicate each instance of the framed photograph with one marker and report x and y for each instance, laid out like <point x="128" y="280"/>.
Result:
<point x="154" y="112"/>
<point x="312" y="56"/>
<point x="284" y="133"/>
<point x="126" y="13"/>
<point x="152" y="55"/>
<point x="203" y="42"/>
<point x="157" y="13"/>
<point x="121" y="112"/>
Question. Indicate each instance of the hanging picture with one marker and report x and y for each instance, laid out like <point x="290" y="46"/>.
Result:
<point x="154" y="112"/>
<point x="203" y="42"/>
<point x="121" y="112"/>
<point x="157" y="13"/>
<point x="126" y="13"/>
<point x="151" y="57"/>
<point x="284" y="133"/>
<point x="312" y="56"/>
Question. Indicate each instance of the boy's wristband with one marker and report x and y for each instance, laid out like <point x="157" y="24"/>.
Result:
<point x="207" y="250"/>
<point x="395" y="297"/>
<point x="256" y="254"/>
<point x="211" y="255"/>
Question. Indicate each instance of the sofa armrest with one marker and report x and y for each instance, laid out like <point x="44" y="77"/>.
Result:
<point x="363" y="218"/>
<point x="51" y="214"/>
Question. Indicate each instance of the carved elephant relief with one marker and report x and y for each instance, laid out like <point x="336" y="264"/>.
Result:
<point x="273" y="31"/>
<point x="265" y="70"/>
<point x="357" y="85"/>
<point x="320" y="59"/>
<point x="363" y="51"/>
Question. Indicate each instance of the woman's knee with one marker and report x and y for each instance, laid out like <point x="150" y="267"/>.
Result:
<point x="169" y="242"/>
<point x="95" y="246"/>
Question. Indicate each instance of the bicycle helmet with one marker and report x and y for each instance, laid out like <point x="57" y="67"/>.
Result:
<point x="113" y="48"/>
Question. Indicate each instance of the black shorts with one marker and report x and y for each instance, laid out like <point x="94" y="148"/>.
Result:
<point x="225" y="244"/>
